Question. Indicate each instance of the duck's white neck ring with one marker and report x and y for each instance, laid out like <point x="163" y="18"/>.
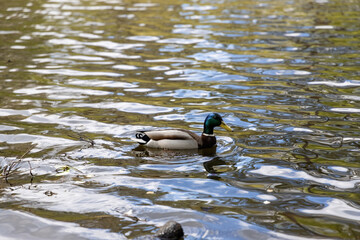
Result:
<point x="209" y="135"/>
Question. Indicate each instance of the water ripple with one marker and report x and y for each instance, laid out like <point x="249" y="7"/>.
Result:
<point x="70" y="72"/>
<point x="202" y="75"/>
<point x="281" y="172"/>
<point x="60" y="93"/>
<point x="41" y="142"/>
<point x="101" y="83"/>
<point x="221" y="56"/>
<point x="130" y="107"/>
<point x="336" y="208"/>
<point x="49" y="228"/>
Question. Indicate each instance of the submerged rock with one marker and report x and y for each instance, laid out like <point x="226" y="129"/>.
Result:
<point x="170" y="231"/>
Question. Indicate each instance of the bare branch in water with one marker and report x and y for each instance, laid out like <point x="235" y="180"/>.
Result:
<point x="10" y="168"/>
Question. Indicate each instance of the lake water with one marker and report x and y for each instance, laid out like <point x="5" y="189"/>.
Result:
<point x="80" y="77"/>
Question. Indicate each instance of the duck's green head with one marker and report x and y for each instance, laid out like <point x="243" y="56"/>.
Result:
<point x="214" y="120"/>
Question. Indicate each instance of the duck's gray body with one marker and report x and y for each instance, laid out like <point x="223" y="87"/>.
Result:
<point x="170" y="139"/>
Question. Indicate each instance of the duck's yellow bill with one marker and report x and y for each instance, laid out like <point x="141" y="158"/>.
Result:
<point x="225" y="126"/>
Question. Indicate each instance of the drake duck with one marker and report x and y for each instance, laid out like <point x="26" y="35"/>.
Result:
<point x="181" y="138"/>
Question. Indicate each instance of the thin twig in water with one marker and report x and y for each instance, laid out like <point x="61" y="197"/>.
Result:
<point x="30" y="168"/>
<point x="84" y="138"/>
<point x="10" y="168"/>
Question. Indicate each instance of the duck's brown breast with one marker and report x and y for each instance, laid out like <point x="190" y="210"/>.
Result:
<point x="207" y="141"/>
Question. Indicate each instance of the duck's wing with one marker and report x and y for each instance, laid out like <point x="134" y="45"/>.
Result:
<point x="192" y="135"/>
<point x="179" y="134"/>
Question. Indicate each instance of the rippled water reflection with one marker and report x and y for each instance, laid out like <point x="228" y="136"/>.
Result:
<point x="79" y="77"/>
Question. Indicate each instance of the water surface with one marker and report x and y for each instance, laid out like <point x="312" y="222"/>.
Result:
<point x="79" y="78"/>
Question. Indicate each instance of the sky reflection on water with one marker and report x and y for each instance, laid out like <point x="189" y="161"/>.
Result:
<point x="79" y="78"/>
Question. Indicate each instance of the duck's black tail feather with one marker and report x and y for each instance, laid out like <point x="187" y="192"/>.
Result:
<point x="142" y="138"/>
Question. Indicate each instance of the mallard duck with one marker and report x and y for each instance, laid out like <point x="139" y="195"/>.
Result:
<point x="181" y="138"/>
